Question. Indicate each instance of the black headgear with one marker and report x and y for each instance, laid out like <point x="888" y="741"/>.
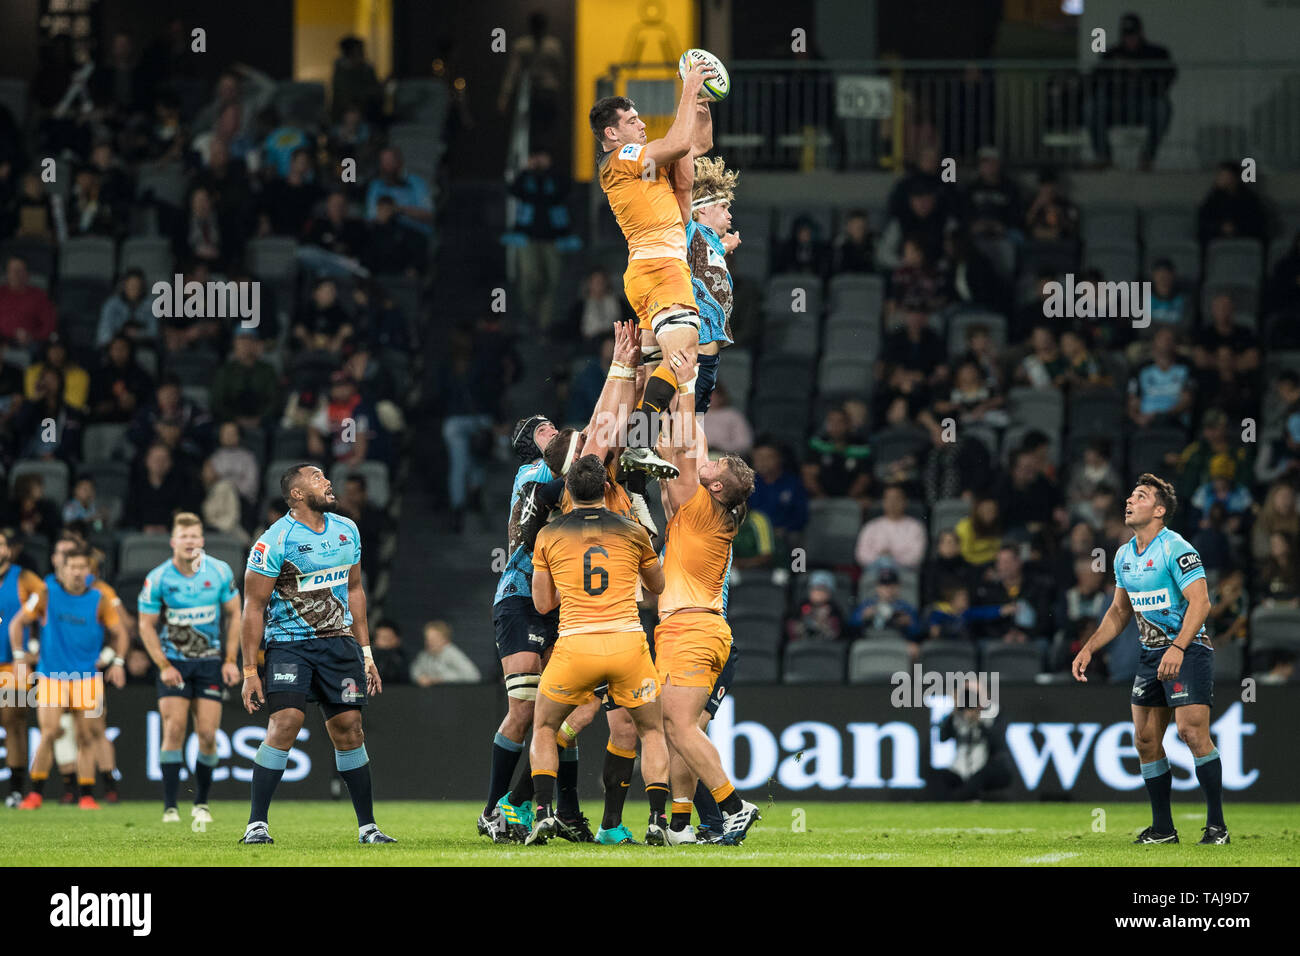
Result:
<point x="522" y="439"/>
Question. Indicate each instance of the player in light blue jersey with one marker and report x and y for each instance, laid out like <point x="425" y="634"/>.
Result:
<point x="186" y="596"/>
<point x="708" y="242"/>
<point x="1159" y="578"/>
<point x="302" y="593"/>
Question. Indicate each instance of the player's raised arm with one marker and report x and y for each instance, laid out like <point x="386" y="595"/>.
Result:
<point x="676" y="143"/>
<point x="257" y="594"/>
<point x="1112" y="625"/>
<point x="689" y="446"/>
<point x="617" y="397"/>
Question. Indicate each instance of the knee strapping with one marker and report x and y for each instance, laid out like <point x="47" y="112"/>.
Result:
<point x="522" y="686"/>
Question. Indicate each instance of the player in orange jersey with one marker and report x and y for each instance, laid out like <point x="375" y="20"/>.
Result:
<point x="706" y="502"/>
<point x="589" y="562"/>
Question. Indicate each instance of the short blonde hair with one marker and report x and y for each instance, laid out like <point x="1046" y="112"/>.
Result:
<point x="713" y="181"/>
<point x="186" y="519"/>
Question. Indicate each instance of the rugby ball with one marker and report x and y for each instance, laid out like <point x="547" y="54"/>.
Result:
<point x="717" y="86"/>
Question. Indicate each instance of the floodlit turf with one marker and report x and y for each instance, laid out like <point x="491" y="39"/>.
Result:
<point x="852" y="834"/>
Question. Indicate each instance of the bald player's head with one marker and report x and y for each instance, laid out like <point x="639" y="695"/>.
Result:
<point x="586" y="481"/>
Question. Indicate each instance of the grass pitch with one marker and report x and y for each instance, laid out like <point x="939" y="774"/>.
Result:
<point x="813" y="834"/>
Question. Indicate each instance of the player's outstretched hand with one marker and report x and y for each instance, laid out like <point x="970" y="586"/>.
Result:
<point x="373" y="684"/>
<point x="627" y="343"/>
<point x="730" y="241"/>
<point x="116" y="675"/>
<point x="252" y="694"/>
<point x="1081" y="662"/>
<point x="230" y="673"/>
<point x="1170" y="664"/>
<point x="696" y="73"/>
<point x="682" y="365"/>
<point x="171" y="677"/>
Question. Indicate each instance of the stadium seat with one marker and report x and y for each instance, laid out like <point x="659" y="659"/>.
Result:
<point x="301" y="103"/>
<point x="1014" y="437"/>
<point x="877" y="660"/>
<point x="986" y="435"/>
<point x="1096" y="411"/>
<point x="53" y="473"/>
<point x="795" y="335"/>
<point x="883" y="636"/>
<point x="780" y="295"/>
<point x="809" y="662"/>
<point x="844" y="377"/>
<point x="1162" y="224"/>
<point x="13" y="97"/>
<point x="1185" y="255"/>
<point x="422" y="148"/>
<point x="779" y="374"/>
<point x="152" y="255"/>
<point x="958" y="325"/>
<point x="945" y="514"/>
<point x="760" y="665"/>
<point x="423" y="100"/>
<point x="1001" y="253"/>
<point x="1041" y="408"/>
<point x="857" y="292"/>
<point x="162" y="182"/>
<point x="1117" y="262"/>
<point x="376" y="475"/>
<point x="1229" y="661"/>
<point x="1107" y="224"/>
<point x="756" y="630"/>
<point x="822" y="216"/>
<point x="1147" y="449"/>
<point x="273" y="258"/>
<point x="1289" y="224"/>
<point x="227" y="548"/>
<point x="1275" y="629"/>
<point x="1057" y="256"/>
<point x="112" y="479"/>
<point x="759" y="597"/>
<point x="783" y="417"/>
<point x="1013" y="663"/>
<point x="736" y="372"/>
<point x="1237" y="261"/>
<point x="832" y="531"/>
<point x="892" y="444"/>
<point x="138" y="553"/>
<point x="194" y="368"/>
<point x="103" y="442"/>
<point x="1245" y="301"/>
<point x="947" y="656"/>
<point x="859" y="341"/>
<point x="81" y="297"/>
<point x="88" y="257"/>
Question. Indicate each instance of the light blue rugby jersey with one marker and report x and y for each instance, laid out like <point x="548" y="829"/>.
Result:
<point x="310" y="597"/>
<point x="713" y="314"/>
<point x="190" y="606"/>
<point x="1154" y="581"/>
<point x="516" y="579"/>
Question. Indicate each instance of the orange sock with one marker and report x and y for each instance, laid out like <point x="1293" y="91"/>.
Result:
<point x="721" y="793"/>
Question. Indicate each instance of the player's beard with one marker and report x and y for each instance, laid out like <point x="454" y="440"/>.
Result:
<point x="321" y="504"/>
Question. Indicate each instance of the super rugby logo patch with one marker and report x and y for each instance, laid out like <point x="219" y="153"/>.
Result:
<point x="257" y="557"/>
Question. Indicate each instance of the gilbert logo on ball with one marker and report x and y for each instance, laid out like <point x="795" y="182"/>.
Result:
<point x="717" y="86"/>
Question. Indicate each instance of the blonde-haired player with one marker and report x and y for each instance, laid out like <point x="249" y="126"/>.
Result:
<point x="708" y="242"/>
<point x="647" y="184"/>
<point x="693" y="640"/>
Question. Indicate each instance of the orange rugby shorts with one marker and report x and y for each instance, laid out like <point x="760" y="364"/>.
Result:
<point x="582" y="662"/>
<point x="652" y="285"/>
<point x="691" y="647"/>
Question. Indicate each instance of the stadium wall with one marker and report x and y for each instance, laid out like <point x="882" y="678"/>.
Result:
<point x="783" y="743"/>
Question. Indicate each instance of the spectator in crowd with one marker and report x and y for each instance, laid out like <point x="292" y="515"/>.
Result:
<point x="1160" y="394"/>
<point x="84" y="507"/>
<point x="392" y="247"/>
<point x="541" y="225"/>
<point x="980" y="532"/>
<point x="803" y="251"/>
<point x="970" y="276"/>
<point x="838" y="463"/>
<point x="1081" y="542"/>
<point x="1279" y="576"/>
<point x="159" y="489"/>
<point x="241" y="86"/>
<point x="981" y="765"/>
<point x="971" y="401"/>
<point x="410" y="193"/>
<point x="341" y="431"/>
<point x="188" y="333"/>
<point x="729" y="430"/>
<point x="1229" y="618"/>
<point x="886" y="609"/>
<point x="819" y="617"/>
<point x="222" y="508"/>
<point x="1051" y="216"/>
<point x="235" y="463"/>
<point x="353" y="137"/>
<point x="165" y="138"/>
<point x="1193" y="464"/>
<point x="226" y="178"/>
<point x="539" y="58"/>
<point x="441" y="661"/>
<point x="916" y="285"/>
<point x="922" y="174"/>
<point x="35" y="210"/>
<point x="1281" y="457"/>
<point x="752" y="548"/>
<point x="336" y="231"/>
<point x="924" y="218"/>
<point x="1027" y="498"/>
<point x="1277" y="516"/>
<point x="1082" y="370"/>
<point x="778" y="492"/>
<point x="46" y="426"/>
<point x="1131" y="87"/>
<point x="913" y="359"/>
<point x="992" y="201"/>
<point x="119" y="386"/>
<point x="26" y="313"/>
<point x="1228" y="386"/>
<point x="1079" y="609"/>
<point x="390" y="656"/>
<point x="354" y="84"/>
<point x="1282" y="297"/>
<point x="30" y="512"/>
<point x="894" y="540"/>
<point x="174" y="421"/>
<point x="287" y="202"/>
<point x="954" y="469"/>
<point x="200" y="237"/>
<point x="76" y="382"/>
<point x="853" y="250"/>
<point x="1044" y="366"/>
<point x="1225" y="332"/>
<point x="1168" y="303"/>
<point x="1223" y="488"/>
<point x="983" y="351"/>
<point x="129" y="312"/>
<point x="597" y="310"/>
<point x="946" y="619"/>
<point x="1211" y="541"/>
<point x="944" y="566"/>
<point x="89" y="211"/>
<point x="322" y="323"/>
<point x="371" y="521"/>
<point x="1230" y="210"/>
<point x="118" y="85"/>
<point x="1010" y="606"/>
<point x="1095" y="471"/>
<point x="246" y="389"/>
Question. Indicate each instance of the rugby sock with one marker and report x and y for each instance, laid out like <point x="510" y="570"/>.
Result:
<point x="544" y="787"/>
<point x="644" y="422"/>
<point x="681" y="818"/>
<point x="354" y="767"/>
<point x="85" y="786"/>
<point x="617" y="777"/>
<point x="635" y="482"/>
<point x="1209" y="771"/>
<point x="524" y="788"/>
<point x="170" y="762"/>
<point x="38" y="781"/>
<point x="707" y="808"/>
<point x="1159" y="783"/>
<point x="727" y="799"/>
<point x="567" y="783"/>
<point x="706" y="378"/>
<point x="657" y="793"/>
<point x="70" y="782"/>
<point x="268" y="768"/>
<point x="203" y="776"/>
<point x="17" y="777"/>
<point x="109" y="781"/>
<point x="505" y="756"/>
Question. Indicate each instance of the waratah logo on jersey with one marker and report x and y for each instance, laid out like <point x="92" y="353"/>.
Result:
<point x="327" y="578"/>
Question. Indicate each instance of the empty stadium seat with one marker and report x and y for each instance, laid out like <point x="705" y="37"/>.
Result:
<point x="139" y="553"/>
<point x="103" y="441"/>
<point x="960" y="323"/>
<point x="986" y="435"/>
<point x="53" y="473"/>
<point x="859" y="340"/>
<point x="300" y="103"/>
<point x="1106" y="224"/>
<point x="1147" y="449"/>
<point x="273" y="258"/>
<point x="1057" y="256"/>
<point x="1001" y="253"/>
<point x="376" y="475"/>
<point x="857" y="292"/>
<point x="945" y="514"/>
<point x="1117" y="262"/>
<point x="1237" y="260"/>
<point x="13" y="96"/>
<point x="947" y="657"/>
<point x="782" y="294"/>
<point x="161" y="182"/>
<point x="88" y="257"/>
<point x="843" y="376"/>
<point x="1229" y="661"/>
<point x="735" y="372"/>
<point x="1013" y="663"/>
<point x="1096" y="411"/>
<point x="832" y="531"/>
<point x="112" y="479"/>
<point x="228" y="548"/>
<point x="808" y="662"/>
<point x="761" y="665"/>
<point x="1168" y="223"/>
<point x="783" y="417"/>
<point x="755" y="630"/>
<point x="152" y="255"/>
<point x="1275" y="629"/>
<point x="424" y="100"/>
<point x="892" y="444"/>
<point x="877" y="660"/>
<point x="1043" y="408"/>
<point x="759" y="597"/>
<point x="797" y="334"/>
